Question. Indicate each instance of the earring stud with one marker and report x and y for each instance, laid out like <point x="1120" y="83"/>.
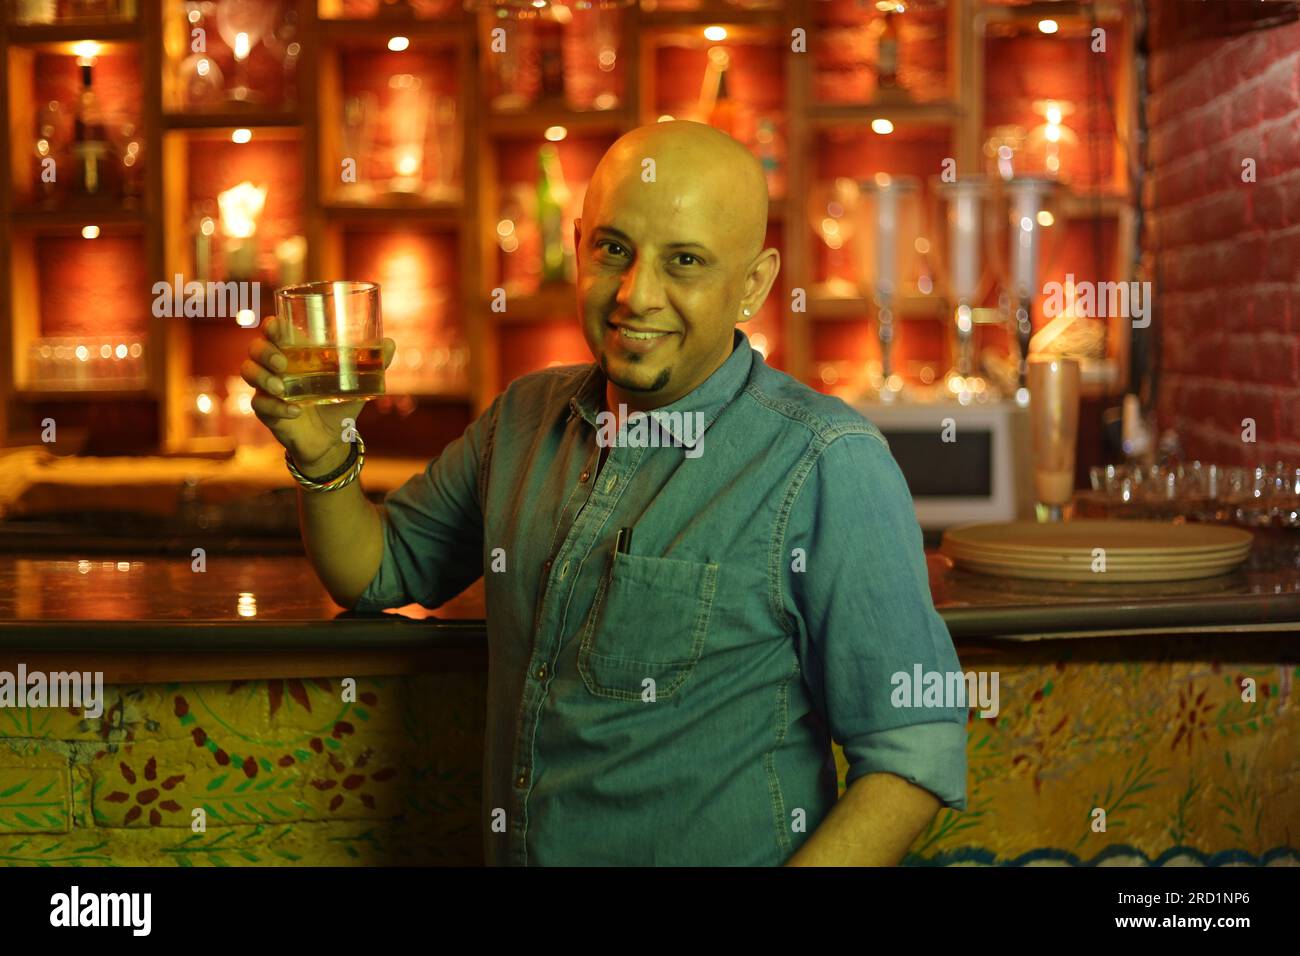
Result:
<point x="746" y="311"/>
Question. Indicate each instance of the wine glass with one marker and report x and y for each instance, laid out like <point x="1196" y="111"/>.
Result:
<point x="282" y="42"/>
<point x="832" y="207"/>
<point x="957" y="224"/>
<point x="888" y="215"/>
<point x="1025" y="231"/>
<point x="242" y="24"/>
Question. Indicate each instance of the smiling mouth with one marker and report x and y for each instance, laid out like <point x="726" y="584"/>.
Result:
<point x="633" y="335"/>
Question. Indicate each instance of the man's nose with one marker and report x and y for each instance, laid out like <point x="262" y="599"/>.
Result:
<point x="641" y="290"/>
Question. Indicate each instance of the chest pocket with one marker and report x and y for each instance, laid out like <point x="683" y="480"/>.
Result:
<point x="650" y="619"/>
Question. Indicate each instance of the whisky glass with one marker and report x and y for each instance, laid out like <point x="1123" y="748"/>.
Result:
<point x="332" y="336"/>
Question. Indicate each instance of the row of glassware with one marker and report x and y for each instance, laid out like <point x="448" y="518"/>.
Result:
<point x="1259" y="497"/>
<point x="87" y="362"/>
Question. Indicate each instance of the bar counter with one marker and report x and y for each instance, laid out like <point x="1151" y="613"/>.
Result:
<point x="309" y="735"/>
<point x="154" y="603"/>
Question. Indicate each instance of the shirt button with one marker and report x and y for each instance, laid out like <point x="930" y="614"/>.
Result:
<point x="609" y="484"/>
<point x="522" y="779"/>
<point x="585" y="475"/>
<point x="541" y="672"/>
<point x="547" y="565"/>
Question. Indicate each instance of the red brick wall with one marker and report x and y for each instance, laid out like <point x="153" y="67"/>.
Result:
<point x="1227" y="251"/>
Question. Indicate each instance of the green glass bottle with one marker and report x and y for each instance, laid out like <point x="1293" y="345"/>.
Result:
<point x="551" y="195"/>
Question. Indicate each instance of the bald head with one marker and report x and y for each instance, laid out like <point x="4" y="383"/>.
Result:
<point x="695" y="167"/>
<point x="671" y="258"/>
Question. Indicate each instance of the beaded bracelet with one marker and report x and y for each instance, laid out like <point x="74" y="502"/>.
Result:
<point x="341" y="477"/>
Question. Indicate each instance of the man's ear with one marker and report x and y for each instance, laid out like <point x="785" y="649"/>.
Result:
<point x="577" y="232"/>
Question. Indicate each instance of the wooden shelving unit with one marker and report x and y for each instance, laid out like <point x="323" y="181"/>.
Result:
<point x="469" y="223"/>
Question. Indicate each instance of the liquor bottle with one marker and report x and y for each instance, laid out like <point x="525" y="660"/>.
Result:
<point x="90" y="142"/>
<point x="770" y="149"/>
<point x="85" y="9"/>
<point x="48" y="152"/>
<point x="887" y="55"/>
<point x="550" y="41"/>
<point x="552" y="192"/>
<point x="36" y="11"/>
<point x="723" y="114"/>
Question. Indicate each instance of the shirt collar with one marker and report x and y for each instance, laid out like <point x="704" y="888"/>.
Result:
<point x="709" y="398"/>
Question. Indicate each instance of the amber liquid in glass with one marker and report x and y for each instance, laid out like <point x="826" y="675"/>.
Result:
<point x="324" y="374"/>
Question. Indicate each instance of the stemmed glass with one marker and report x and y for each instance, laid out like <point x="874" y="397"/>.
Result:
<point x="832" y="209"/>
<point x="281" y="41"/>
<point x="1025" y="232"/>
<point x="200" y="79"/>
<point x="242" y="24"/>
<point x="888" y="224"/>
<point x="957" y="213"/>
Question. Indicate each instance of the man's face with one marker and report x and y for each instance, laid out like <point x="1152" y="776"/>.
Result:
<point x="657" y="259"/>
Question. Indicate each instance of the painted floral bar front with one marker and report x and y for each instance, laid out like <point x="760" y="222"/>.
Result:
<point x="1119" y="750"/>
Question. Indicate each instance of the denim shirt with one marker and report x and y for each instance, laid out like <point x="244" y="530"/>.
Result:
<point x="674" y="702"/>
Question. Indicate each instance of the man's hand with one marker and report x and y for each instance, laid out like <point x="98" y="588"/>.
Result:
<point x="873" y="824"/>
<point x="313" y="434"/>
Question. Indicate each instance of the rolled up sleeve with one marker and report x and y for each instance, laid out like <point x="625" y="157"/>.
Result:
<point x="433" y="526"/>
<point x="866" y="624"/>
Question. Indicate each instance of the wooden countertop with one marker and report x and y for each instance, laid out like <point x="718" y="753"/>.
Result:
<point x="153" y="603"/>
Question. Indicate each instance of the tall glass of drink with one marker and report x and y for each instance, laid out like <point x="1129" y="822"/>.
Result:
<point x="1054" y="422"/>
<point x="333" y="339"/>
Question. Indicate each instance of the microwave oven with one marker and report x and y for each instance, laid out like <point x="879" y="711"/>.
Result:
<point x="963" y="463"/>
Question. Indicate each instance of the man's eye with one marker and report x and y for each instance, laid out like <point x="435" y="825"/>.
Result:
<point x="607" y="243"/>
<point x="687" y="255"/>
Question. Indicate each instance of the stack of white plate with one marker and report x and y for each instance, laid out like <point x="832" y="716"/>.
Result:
<point x="1080" y="550"/>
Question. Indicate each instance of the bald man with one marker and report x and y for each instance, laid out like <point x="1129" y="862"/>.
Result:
<point x="698" y="571"/>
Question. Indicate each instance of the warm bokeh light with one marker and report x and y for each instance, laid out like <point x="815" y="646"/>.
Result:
<point x="1047" y="26"/>
<point x="398" y="44"/>
<point x="715" y="33"/>
<point x="246" y="319"/>
<point x="241" y="136"/>
<point x="556" y="133"/>
<point x="89" y="232"/>
<point x="1045" y="218"/>
<point x="666" y="118"/>
<point x="86" y="51"/>
<point x="882" y="126"/>
<point x="240" y="208"/>
<point x="204" y="403"/>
